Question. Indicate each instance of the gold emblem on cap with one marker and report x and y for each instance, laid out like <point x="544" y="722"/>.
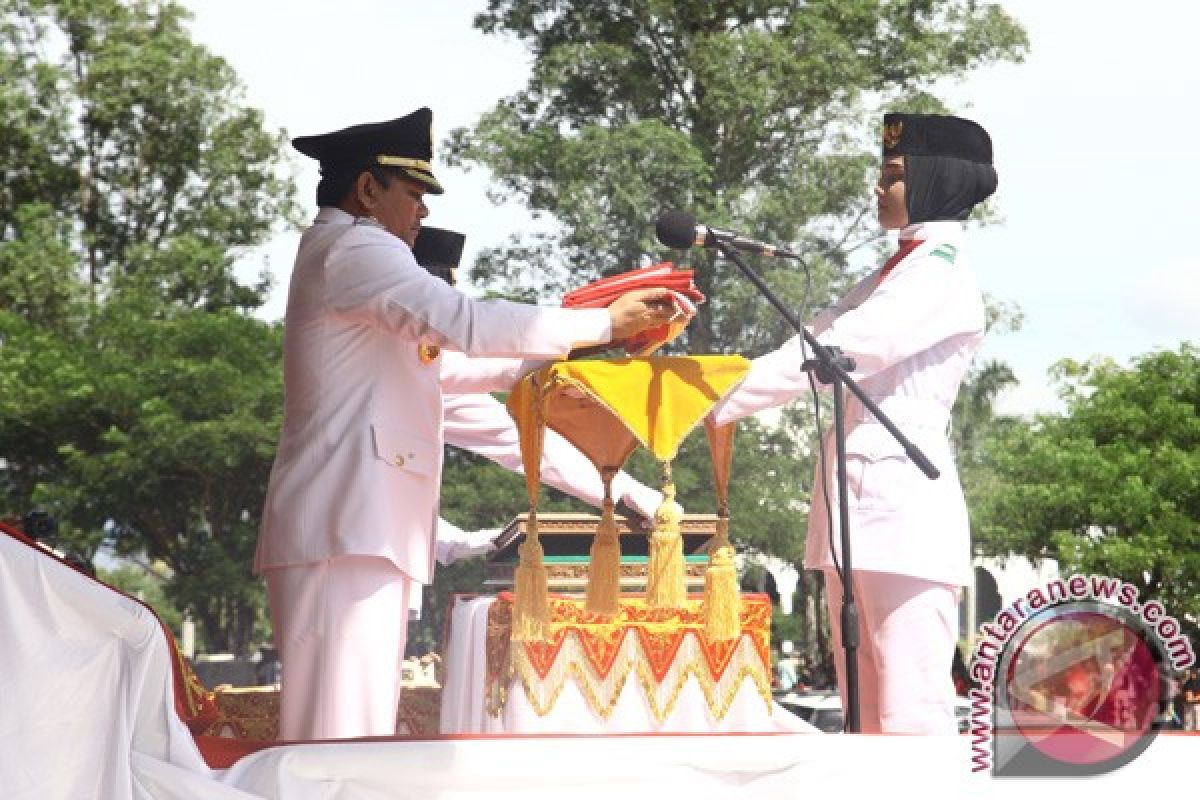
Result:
<point x="891" y="134"/>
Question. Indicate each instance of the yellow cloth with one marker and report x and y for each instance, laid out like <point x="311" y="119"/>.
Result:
<point x="606" y="408"/>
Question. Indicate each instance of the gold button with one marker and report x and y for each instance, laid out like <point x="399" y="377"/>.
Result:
<point x="399" y="460"/>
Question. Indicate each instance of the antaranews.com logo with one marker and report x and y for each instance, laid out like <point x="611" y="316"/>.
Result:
<point x="1071" y="679"/>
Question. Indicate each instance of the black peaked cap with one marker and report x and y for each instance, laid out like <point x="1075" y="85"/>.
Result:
<point x="935" y="135"/>
<point x="405" y="143"/>
<point x="438" y="247"/>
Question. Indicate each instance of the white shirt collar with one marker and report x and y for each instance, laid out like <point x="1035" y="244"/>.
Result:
<point x="331" y="214"/>
<point x="937" y="229"/>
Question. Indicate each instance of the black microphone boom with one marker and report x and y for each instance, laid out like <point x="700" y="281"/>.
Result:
<point x="680" y="230"/>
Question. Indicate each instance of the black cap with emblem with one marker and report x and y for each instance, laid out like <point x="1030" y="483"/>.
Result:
<point x="439" y="251"/>
<point x="404" y="144"/>
<point x="935" y="135"/>
<point x="947" y="164"/>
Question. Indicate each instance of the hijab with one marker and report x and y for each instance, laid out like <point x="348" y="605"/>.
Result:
<point x="945" y="187"/>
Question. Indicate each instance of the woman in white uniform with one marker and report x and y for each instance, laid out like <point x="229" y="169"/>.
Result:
<point x="911" y="328"/>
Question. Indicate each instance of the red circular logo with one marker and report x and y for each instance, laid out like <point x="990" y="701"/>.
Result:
<point x="1083" y="687"/>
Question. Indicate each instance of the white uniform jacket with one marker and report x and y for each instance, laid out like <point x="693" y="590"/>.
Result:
<point x="358" y="468"/>
<point x="912" y="336"/>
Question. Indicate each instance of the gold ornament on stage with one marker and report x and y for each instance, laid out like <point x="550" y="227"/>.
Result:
<point x="606" y="409"/>
<point x="722" y="603"/>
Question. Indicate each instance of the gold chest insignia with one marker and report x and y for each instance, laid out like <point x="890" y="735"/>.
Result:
<point x="428" y="353"/>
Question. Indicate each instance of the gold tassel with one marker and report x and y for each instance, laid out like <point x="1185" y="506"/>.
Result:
<point x="666" y="586"/>
<point x="531" y="615"/>
<point x="604" y="571"/>
<point x="722" y="602"/>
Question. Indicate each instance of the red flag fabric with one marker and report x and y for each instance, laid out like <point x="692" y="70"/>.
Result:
<point x="601" y="293"/>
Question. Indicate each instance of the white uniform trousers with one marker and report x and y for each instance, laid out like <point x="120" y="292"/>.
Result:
<point x="908" y="629"/>
<point x="340" y="628"/>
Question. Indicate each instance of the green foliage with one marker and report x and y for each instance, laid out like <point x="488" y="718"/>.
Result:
<point x="973" y="417"/>
<point x="137" y="134"/>
<point x="786" y="627"/>
<point x="155" y="435"/>
<point x="139" y="403"/>
<point x="758" y="116"/>
<point x="1112" y="487"/>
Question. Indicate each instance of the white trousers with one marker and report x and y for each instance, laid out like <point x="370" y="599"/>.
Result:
<point x="340" y="628"/>
<point x="908" y="629"/>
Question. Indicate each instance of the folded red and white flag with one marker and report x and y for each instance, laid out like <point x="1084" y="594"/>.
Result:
<point x="601" y="293"/>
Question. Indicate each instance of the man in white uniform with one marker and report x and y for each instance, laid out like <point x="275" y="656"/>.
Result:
<point x="911" y="327"/>
<point x="348" y="524"/>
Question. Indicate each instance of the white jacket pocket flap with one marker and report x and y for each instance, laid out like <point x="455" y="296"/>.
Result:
<point x="873" y="442"/>
<point x="404" y="450"/>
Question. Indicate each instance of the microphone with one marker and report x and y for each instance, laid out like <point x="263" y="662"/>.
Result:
<point x="680" y="230"/>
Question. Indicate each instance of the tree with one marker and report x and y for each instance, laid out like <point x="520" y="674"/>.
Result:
<point x="1113" y="486"/>
<point x="973" y="419"/>
<point x="140" y="401"/>
<point x="753" y="115"/>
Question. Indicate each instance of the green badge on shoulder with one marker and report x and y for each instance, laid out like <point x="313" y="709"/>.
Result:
<point x="946" y="251"/>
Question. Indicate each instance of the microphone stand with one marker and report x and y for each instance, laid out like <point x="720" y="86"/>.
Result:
<point x="830" y="366"/>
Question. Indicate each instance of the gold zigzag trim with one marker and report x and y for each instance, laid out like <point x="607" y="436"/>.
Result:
<point x="602" y="695"/>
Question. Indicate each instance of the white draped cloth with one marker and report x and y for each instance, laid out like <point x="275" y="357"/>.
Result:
<point x="86" y="691"/>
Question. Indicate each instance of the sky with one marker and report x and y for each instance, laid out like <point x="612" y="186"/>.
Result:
<point x="1094" y="137"/>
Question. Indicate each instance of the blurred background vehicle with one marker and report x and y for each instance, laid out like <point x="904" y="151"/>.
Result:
<point x="823" y="710"/>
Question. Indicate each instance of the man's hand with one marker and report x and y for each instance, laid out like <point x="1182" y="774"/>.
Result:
<point x="636" y="311"/>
